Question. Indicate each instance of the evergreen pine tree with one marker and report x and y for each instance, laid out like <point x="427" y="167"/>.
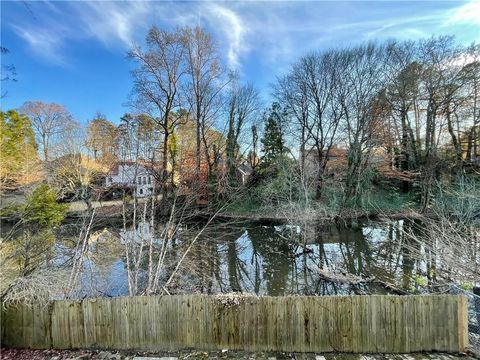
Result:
<point x="18" y="150"/>
<point x="272" y="141"/>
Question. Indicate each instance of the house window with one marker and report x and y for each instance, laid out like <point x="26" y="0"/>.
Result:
<point x="144" y="180"/>
<point x="149" y="180"/>
<point x="141" y="191"/>
<point x="110" y="180"/>
<point x="139" y="180"/>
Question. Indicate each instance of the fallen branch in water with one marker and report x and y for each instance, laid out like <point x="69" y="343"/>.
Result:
<point x="341" y="277"/>
<point x="390" y="286"/>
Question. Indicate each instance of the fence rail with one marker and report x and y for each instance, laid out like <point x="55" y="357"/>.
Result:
<point x="373" y="324"/>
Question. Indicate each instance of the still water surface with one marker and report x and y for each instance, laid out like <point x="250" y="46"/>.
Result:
<point x="363" y="258"/>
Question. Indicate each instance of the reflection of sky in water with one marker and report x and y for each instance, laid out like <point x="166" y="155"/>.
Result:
<point x="244" y="255"/>
<point x="103" y="281"/>
<point x="261" y="259"/>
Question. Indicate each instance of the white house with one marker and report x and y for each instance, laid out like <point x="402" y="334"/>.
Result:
<point x="131" y="175"/>
<point x="244" y="171"/>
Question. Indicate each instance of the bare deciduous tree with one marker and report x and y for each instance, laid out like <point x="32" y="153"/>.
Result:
<point x="157" y="83"/>
<point x="309" y="91"/>
<point x="243" y="105"/>
<point x="362" y="77"/>
<point x="402" y="95"/>
<point x="49" y="121"/>
<point x="102" y="139"/>
<point x="203" y="89"/>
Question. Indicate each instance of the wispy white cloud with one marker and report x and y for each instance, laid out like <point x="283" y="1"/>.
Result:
<point x="43" y="43"/>
<point x="113" y="22"/>
<point x="232" y="27"/>
<point x="468" y="13"/>
<point x="275" y="33"/>
<point x="52" y="6"/>
<point x="51" y="27"/>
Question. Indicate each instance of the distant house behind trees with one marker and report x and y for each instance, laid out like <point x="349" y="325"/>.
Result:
<point x="337" y="162"/>
<point x="244" y="172"/>
<point x="131" y="175"/>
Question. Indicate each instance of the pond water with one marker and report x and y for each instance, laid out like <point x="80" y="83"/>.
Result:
<point x="360" y="258"/>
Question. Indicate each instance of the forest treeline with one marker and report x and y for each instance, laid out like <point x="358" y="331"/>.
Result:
<point x="397" y="115"/>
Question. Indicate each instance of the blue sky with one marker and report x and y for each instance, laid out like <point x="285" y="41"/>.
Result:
<point x="74" y="52"/>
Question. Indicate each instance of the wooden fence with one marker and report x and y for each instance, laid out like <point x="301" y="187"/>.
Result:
<point x="368" y="324"/>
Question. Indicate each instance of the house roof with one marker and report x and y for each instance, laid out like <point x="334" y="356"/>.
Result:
<point x="114" y="170"/>
<point x="336" y="151"/>
<point x="245" y="169"/>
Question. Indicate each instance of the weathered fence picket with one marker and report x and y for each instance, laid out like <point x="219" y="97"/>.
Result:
<point x="373" y="324"/>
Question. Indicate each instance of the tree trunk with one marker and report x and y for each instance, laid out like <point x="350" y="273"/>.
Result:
<point x="45" y="147"/>
<point x="164" y="166"/>
<point x="198" y="163"/>
<point x="456" y="144"/>
<point x="230" y="150"/>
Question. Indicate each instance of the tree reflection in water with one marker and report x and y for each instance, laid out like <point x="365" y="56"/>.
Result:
<point x="361" y="258"/>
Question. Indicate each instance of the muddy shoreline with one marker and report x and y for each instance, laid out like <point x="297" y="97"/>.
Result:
<point x="109" y="214"/>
